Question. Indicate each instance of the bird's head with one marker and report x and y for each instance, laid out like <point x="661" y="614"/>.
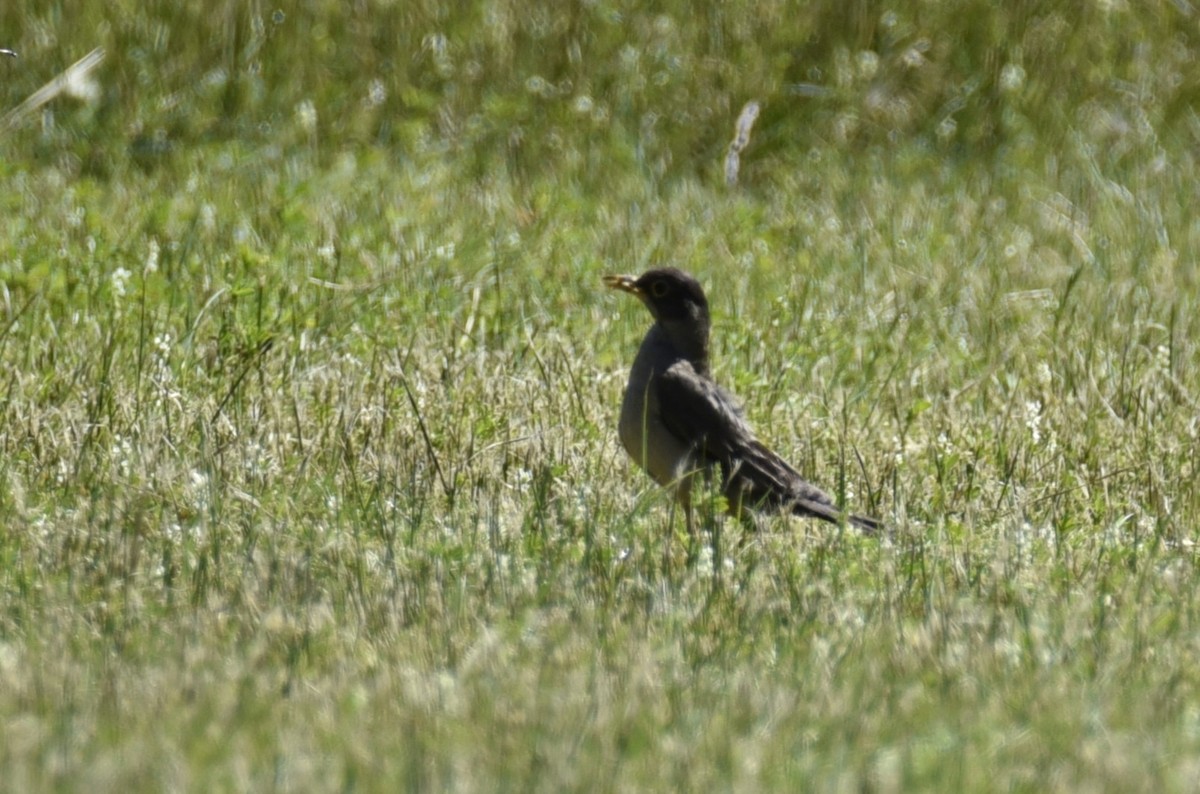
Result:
<point x="677" y="302"/>
<point x="670" y="294"/>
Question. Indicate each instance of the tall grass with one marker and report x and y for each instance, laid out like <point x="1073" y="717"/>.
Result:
<point x="308" y="471"/>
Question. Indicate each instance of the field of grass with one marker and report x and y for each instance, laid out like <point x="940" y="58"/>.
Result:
<point x="309" y="476"/>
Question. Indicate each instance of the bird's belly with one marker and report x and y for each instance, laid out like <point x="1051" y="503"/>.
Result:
<point x="648" y="441"/>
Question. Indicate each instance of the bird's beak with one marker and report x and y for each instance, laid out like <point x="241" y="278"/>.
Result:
<point x="624" y="283"/>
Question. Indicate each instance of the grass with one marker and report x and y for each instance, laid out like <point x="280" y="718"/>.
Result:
<point x="309" y="477"/>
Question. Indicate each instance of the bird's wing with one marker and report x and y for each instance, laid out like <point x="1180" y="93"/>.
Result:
<point x="707" y="418"/>
<point x="702" y="414"/>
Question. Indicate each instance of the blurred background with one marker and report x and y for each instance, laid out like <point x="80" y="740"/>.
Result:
<point x="308" y="389"/>
<point x="585" y="89"/>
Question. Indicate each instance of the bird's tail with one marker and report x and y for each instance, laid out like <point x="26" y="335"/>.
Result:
<point x="761" y="477"/>
<point x="871" y="526"/>
<point x="828" y="512"/>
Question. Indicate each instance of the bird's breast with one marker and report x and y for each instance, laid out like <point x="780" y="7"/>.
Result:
<point x="664" y="456"/>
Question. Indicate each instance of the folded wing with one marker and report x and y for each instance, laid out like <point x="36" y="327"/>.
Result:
<point x="706" y="417"/>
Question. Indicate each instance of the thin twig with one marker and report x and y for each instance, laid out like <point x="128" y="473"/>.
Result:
<point x="73" y="80"/>
<point x="429" y="448"/>
<point x="741" y="139"/>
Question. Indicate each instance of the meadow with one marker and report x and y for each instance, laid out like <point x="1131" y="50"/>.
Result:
<point x="309" y="475"/>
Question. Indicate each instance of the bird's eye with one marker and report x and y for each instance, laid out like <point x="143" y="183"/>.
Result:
<point x="659" y="289"/>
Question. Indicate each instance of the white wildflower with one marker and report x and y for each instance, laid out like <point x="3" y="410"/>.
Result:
<point x="120" y="281"/>
<point x="376" y="93"/>
<point x="1012" y="77"/>
<point x="1033" y="419"/>
<point x="306" y="116"/>
<point x="583" y="104"/>
<point x="151" y="265"/>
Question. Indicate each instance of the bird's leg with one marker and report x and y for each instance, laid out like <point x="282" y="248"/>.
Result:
<point x="668" y="541"/>
<point x="715" y="523"/>
<point x="735" y="505"/>
<point x="689" y="514"/>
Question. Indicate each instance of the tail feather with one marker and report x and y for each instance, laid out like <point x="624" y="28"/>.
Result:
<point x="871" y="526"/>
<point x="761" y="479"/>
<point x="830" y="513"/>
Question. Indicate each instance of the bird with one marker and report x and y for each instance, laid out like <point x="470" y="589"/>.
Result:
<point x="677" y="423"/>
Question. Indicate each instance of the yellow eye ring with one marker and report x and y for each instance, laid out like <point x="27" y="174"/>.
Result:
<point x="659" y="289"/>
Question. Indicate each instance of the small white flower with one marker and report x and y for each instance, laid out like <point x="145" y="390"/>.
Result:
<point x="868" y="64"/>
<point x="1033" y="419"/>
<point x="536" y="84"/>
<point x="1162" y="358"/>
<point x="1012" y="77"/>
<point x="120" y="281"/>
<point x="376" y="93"/>
<point x="151" y="265"/>
<point x="1044" y="376"/>
<point x="306" y="116"/>
<point x="208" y="218"/>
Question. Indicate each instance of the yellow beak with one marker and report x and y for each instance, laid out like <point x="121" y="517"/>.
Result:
<point x="624" y="283"/>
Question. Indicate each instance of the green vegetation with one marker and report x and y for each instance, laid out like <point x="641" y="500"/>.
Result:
<point x="309" y="477"/>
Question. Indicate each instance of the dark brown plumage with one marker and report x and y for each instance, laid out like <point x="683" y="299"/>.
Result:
<point x="676" y="422"/>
